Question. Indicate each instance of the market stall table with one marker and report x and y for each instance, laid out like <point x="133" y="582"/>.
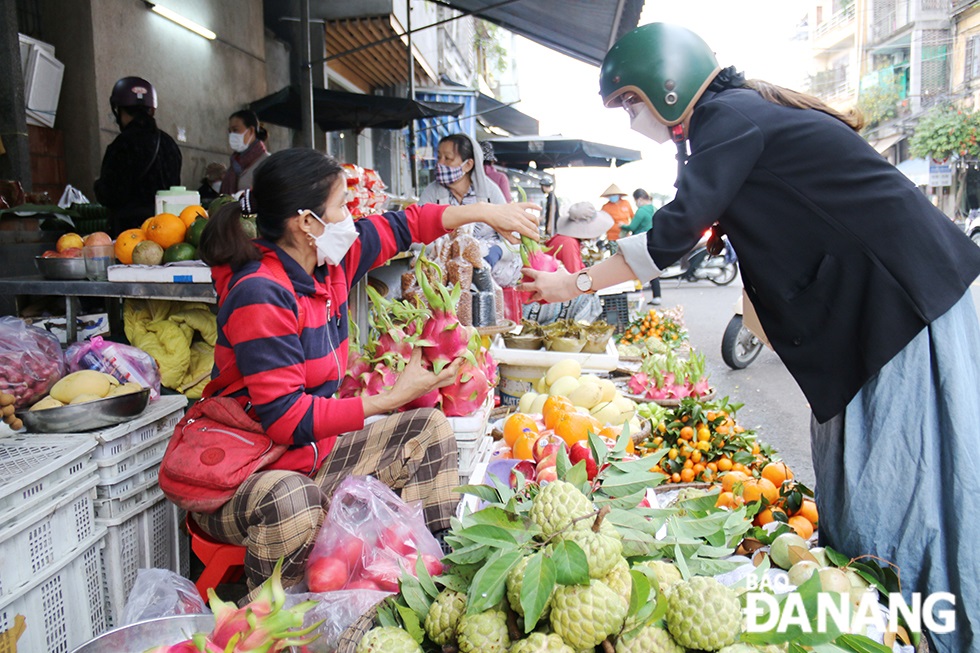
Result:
<point x="36" y="285"/>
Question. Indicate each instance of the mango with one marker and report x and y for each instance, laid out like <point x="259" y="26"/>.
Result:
<point x="566" y="367"/>
<point x="538" y="404"/>
<point x="608" y="389"/>
<point x="124" y="389"/>
<point x="84" y="399"/>
<point x="527" y="399"/>
<point x="563" y="386"/>
<point x="85" y="382"/>
<point x="591" y="378"/>
<point x="586" y="395"/>
<point x="47" y="402"/>
<point x="541" y="386"/>
<point x="608" y="413"/>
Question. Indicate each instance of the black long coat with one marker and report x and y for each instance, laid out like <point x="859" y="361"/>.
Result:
<point x="843" y="257"/>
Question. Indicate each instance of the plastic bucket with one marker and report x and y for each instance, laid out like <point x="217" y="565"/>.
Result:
<point x="515" y="380"/>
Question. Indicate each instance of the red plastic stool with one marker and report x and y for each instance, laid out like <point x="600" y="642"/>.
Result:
<point x="223" y="563"/>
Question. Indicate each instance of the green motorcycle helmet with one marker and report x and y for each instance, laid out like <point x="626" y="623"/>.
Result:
<point x="667" y="66"/>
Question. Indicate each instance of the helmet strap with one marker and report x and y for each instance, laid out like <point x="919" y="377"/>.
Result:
<point x="680" y="140"/>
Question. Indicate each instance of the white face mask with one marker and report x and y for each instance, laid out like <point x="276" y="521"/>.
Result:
<point x="237" y="142"/>
<point x="216" y="186"/>
<point x="643" y="122"/>
<point x="336" y="240"/>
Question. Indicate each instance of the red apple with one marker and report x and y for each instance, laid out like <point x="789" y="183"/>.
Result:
<point x="348" y="548"/>
<point x="525" y="467"/>
<point x="71" y="252"/>
<point x="548" y="461"/>
<point x="546" y="445"/>
<point x="363" y="584"/>
<point x="398" y="538"/>
<point x="582" y="451"/>
<point x="50" y="253"/>
<point x="547" y="475"/>
<point x="326" y="574"/>
<point x="97" y="238"/>
<point x="384" y="573"/>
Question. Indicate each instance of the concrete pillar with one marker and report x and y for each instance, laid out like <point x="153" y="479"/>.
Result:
<point x="15" y="163"/>
<point x="915" y="72"/>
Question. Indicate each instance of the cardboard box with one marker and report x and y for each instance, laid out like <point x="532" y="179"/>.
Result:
<point x="185" y="272"/>
<point x="93" y="324"/>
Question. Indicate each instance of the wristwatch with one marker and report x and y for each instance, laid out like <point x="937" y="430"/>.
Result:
<point x="584" y="282"/>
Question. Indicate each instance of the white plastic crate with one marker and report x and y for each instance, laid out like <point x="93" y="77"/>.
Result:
<point x="472" y="453"/>
<point x="149" y="537"/>
<point x="468" y="428"/>
<point x="111" y="508"/>
<point x="138" y="477"/>
<point x="34" y="469"/>
<point x="112" y="470"/>
<point x="45" y="536"/>
<point x="64" y="606"/>
<point x="160" y="416"/>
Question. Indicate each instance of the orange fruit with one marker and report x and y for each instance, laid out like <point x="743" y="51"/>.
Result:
<point x="687" y="433"/>
<point x="724" y="464"/>
<point x="725" y="500"/>
<point x="809" y="511"/>
<point x="729" y="480"/>
<point x="767" y="516"/>
<point x="553" y="409"/>
<point x="777" y="472"/>
<point x="757" y="489"/>
<point x="802" y="526"/>
<point x="574" y="427"/>
<point x="146" y="223"/>
<point x="704" y="434"/>
<point x="165" y="230"/>
<point x="126" y="242"/>
<point x="524" y="446"/>
<point x="515" y="426"/>
<point x="192" y="213"/>
<point x="687" y="475"/>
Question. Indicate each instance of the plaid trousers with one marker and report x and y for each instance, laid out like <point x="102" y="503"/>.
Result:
<point x="277" y="514"/>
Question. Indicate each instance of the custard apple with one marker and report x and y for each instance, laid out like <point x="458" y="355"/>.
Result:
<point x="387" y="640"/>
<point x="444" y="616"/>
<point x="667" y="573"/>
<point x="584" y="615"/>
<point x="541" y="643"/>
<point x="603" y="549"/>
<point x="485" y="632"/>
<point x="515" y="583"/>
<point x="558" y="503"/>
<point x="651" y="639"/>
<point x="703" y="614"/>
<point x="619" y="579"/>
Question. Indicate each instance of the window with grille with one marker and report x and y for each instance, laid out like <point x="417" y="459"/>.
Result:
<point x="971" y="68"/>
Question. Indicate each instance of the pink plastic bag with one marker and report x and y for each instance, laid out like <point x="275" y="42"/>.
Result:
<point x="368" y="537"/>
<point x="125" y="362"/>
<point x="30" y="361"/>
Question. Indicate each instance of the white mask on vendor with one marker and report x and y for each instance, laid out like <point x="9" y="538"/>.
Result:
<point x="643" y="122"/>
<point x="336" y="240"/>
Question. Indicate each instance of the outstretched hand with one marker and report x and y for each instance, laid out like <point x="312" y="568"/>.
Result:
<point x="512" y="220"/>
<point x="552" y="287"/>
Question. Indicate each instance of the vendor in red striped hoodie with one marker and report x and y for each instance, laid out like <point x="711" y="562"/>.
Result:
<point x="282" y="350"/>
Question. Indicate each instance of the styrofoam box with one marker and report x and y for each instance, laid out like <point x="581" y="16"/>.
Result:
<point x="64" y="606"/>
<point x="182" y="272"/>
<point x="34" y="469"/>
<point x="160" y="416"/>
<point x="605" y="362"/>
<point x="148" y="537"/>
<point x="43" y="537"/>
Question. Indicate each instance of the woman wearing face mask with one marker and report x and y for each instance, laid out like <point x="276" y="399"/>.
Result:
<point x="283" y="347"/>
<point x="246" y="138"/>
<point x="861" y="285"/>
<point x="619" y="208"/>
<point x="461" y="180"/>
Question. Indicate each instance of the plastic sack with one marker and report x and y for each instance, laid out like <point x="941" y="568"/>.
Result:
<point x="161" y="593"/>
<point x="72" y="196"/>
<point x="30" y="361"/>
<point x="337" y="610"/>
<point x="368" y="537"/>
<point x="125" y="362"/>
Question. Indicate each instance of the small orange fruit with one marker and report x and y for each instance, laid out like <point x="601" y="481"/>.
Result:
<point x="729" y="480"/>
<point x="687" y="475"/>
<point x="165" y="230"/>
<point x="726" y="500"/>
<point x="724" y="464"/>
<point x="524" y="446"/>
<point x="554" y="408"/>
<point x="515" y="426"/>
<point x="777" y="472"/>
<point x="574" y="427"/>
<point x="687" y="433"/>
<point x="192" y="213"/>
<point x="768" y="515"/>
<point x="126" y="242"/>
<point x="809" y="511"/>
<point x="802" y="526"/>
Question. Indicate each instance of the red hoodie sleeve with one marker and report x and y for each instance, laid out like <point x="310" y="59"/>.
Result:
<point x="383" y="236"/>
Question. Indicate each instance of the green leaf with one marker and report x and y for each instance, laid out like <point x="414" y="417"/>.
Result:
<point x="454" y="582"/>
<point x="522" y="529"/>
<point x="425" y="579"/>
<point x="410" y="589"/>
<point x="562" y="463"/>
<point x="489" y="584"/>
<point x="860" y="644"/>
<point x="484" y="492"/>
<point x="837" y="559"/>
<point x="386" y="614"/>
<point x="599" y="450"/>
<point x="571" y="564"/>
<point x="540" y="577"/>
<point x="487" y="534"/>
<point x="469" y="554"/>
<point x="411" y="623"/>
<point x="639" y="593"/>
<point x="577" y="474"/>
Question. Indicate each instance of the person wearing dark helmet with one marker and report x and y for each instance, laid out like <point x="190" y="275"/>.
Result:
<point x="140" y="161"/>
<point x="861" y="285"/>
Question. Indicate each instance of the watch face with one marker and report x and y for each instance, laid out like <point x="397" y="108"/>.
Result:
<point x="583" y="282"/>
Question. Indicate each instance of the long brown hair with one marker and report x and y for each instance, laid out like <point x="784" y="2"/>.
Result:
<point x="790" y="98"/>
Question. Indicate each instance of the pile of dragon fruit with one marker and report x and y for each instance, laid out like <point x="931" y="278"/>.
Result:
<point x="398" y="328"/>
<point x="670" y="377"/>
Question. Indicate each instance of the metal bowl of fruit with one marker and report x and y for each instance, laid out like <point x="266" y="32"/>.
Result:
<point x="144" y="635"/>
<point x="52" y="267"/>
<point x="76" y="418"/>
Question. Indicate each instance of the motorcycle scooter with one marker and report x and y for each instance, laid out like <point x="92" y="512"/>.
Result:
<point x="720" y="269"/>
<point x="739" y="345"/>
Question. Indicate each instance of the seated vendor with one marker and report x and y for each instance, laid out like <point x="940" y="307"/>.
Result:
<point x="286" y="347"/>
<point x="581" y="223"/>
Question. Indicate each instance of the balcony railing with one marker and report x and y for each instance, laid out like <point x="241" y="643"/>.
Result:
<point x="833" y="83"/>
<point x="839" y="19"/>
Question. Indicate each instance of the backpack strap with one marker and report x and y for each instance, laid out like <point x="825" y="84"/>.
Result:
<point x="279" y="274"/>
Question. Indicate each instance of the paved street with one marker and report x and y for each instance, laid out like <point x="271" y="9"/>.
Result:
<point x="774" y="405"/>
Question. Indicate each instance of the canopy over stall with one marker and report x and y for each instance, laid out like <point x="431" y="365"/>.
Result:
<point x="338" y="110"/>
<point x="558" y="152"/>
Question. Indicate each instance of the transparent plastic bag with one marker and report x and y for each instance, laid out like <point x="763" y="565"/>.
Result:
<point x="368" y="537"/>
<point x="161" y="593"/>
<point x="30" y="361"/>
<point x="338" y="611"/>
<point x="125" y="362"/>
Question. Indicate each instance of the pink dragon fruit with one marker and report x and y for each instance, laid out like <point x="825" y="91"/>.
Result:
<point x="537" y="258"/>
<point x="638" y="383"/>
<point x="431" y="399"/>
<point x="444" y="339"/>
<point x="380" y="379"/>
<point x="488" y="365"/>
<point x="699" y="388"/>
<point x="467" y="393"/>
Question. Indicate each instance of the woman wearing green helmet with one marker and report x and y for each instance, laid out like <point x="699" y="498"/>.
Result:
<point x="862" y="287"/>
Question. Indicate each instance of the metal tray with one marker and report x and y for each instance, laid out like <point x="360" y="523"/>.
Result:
<point x="60" y="268"/>
<point x="98" y="414"/>
<point x="138" y="637"/>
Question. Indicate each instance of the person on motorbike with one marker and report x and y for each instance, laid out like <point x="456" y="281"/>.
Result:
<point x="862" y="287"/>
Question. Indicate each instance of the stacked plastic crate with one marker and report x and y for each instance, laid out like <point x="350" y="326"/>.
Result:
<point x="51" y="581"/>
<point x="143" y="526"/>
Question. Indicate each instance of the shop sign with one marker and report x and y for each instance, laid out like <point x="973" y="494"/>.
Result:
<point x="940" y="172"/>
